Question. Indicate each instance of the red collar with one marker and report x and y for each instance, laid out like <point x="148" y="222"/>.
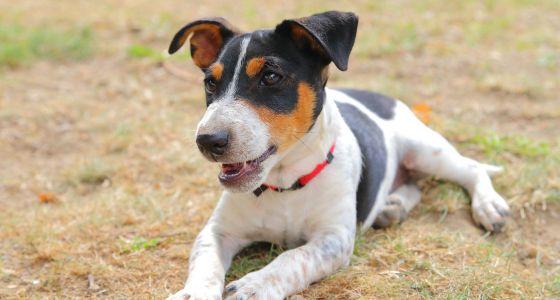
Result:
<point x="303" y="180"/>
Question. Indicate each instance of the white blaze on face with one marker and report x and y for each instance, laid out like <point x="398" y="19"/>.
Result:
<point x="232" y="87"/>
<point x="249" y="136"/>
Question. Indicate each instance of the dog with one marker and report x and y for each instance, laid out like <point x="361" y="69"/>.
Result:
<point x="302" y="165"/>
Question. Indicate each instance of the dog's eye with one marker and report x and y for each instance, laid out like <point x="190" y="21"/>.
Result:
<point x="210" y="85"/>
<point x="270" y="78"/>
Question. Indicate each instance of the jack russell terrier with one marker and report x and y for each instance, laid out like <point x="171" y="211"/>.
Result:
<point x="303" y="165"/>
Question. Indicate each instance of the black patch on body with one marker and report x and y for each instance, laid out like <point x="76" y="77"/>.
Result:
<point x="381" y="105"/>
<point x="374" y="157"/>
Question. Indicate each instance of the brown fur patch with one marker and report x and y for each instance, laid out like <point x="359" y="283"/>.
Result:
<point x="207" y="41"/>
<point x="286" y="129"/>
<point x="217" y="70"/>
<point x="254" y="66"/>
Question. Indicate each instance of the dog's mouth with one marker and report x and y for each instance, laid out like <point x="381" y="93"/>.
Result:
<point x="235" y="172"/>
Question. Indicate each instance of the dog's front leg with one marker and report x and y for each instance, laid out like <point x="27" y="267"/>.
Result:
<point x="210" y="258"/>
<point x="296" y="269"/>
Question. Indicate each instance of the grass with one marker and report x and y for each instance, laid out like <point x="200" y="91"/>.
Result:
<point x="404" y="37"/>
<point x="92" y="172"/>
<point x="493" y="145"/>
<point x="139" y="243"/>
<point x="549" y="60"/>
<point x="138" y="51"/>
<point x="120" y="139"/>
<point x="141" y="51"/>
<point x="555" y="286"/>
<point x="20" y="45"/>
<point x="252" y="259"/>
<point x="108" y="134"/>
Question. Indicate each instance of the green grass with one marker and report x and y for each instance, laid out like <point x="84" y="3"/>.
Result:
<point x="494" y="145"/>
<point x="140" y="243"/>
<point x="553" y="195"/>
<point x="120" y="139"/>
<point x="549" y="60"/>
<point x="361" y="248"/>
<point x="531" y="166"/>
<point x="138" y="51"/>
<point x="401" y="38"/>
<point x="141" y="51"/>
<point x="490" y="29"/>
<point x="554" y="286"/>
<point x="444" y="198"/>
<point x="252" y="258"/>
<point x="92" y="172"/>
<point x="21" y="45"/>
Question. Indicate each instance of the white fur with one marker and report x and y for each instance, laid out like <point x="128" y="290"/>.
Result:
<point x="319" y="221"/>
<point x="232" y="87"/>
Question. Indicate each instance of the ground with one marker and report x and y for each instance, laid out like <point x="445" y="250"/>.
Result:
<point x="102" y="190"/>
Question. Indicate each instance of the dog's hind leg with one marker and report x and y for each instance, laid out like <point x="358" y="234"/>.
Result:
<point x="398" y="205"/>
<point x="427" y="151"/>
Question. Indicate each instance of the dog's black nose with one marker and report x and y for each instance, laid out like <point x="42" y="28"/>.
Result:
<point x="213" y="143"/>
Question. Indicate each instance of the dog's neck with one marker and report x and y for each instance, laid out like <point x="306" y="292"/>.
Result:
<point x="310" y="150"/>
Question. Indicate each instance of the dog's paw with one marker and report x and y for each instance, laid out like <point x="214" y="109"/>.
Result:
<point x="254" y="286"/>
<point x="183" y="294"/>
<point x="490" y="211"/>
<point x="189" y="293"/>
<point x="393" y="213"/>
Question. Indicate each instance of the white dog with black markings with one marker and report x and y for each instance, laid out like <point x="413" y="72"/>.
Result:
<point x="303" y="165"/>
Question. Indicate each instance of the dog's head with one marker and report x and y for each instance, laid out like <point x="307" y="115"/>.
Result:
<point x="264" y="89"/>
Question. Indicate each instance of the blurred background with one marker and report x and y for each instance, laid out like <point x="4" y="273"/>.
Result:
<point x="102" y="190"/>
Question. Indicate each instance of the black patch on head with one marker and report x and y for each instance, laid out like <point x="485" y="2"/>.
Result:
<point x="283" y="58"/>
<point x="374" y="157"/>
<point x="381" y="105"/>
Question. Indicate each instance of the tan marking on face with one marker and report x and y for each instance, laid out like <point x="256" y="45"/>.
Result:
<point x="254" y="66"/>
<point x="286" y="129"/>
<point x="217" y="70"/>
<point x="207" y="41"/>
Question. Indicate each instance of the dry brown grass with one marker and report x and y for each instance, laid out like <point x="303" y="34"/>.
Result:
<point x="110" y="136"/>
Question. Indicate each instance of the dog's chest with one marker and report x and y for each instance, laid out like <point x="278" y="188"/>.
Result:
<point x="282" y="218"/>
<point x="285" y="218"/>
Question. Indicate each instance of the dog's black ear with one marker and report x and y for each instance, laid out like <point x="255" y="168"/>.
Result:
<point x="208" y="37"/>
<point x="330" y="34"/>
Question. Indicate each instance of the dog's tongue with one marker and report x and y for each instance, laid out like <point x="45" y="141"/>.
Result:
<point x="232" y="168"/>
